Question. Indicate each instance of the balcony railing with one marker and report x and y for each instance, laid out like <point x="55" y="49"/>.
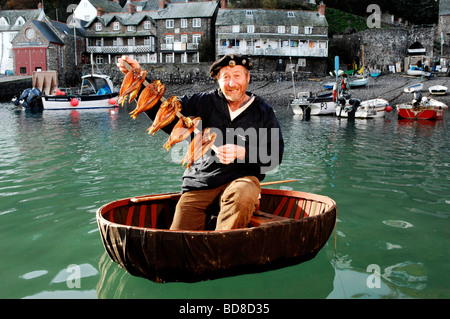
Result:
<point x="286" y="52"/>
<point x="121" y="49"/>
<point x="179" y="46"/>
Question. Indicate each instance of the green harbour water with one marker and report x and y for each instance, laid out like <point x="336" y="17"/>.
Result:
<point x="390" y="179"/>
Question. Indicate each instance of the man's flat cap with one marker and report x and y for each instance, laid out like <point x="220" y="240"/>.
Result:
<point x="230" y="60"/>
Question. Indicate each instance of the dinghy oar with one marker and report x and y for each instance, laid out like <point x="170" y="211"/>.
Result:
<point x="174" y="195"/>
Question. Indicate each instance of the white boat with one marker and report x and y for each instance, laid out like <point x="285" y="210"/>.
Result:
<point x="300" y="103"/>
<point x="373" y="108"/>
<point x="438" y="89"/>
<point x="416" y="71"/>
<point x="413" y="88"/>
<point x="96" y="91"/>
<point x="358" y="82"/>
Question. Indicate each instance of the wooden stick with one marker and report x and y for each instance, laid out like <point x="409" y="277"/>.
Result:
<point x="175" y="195"/>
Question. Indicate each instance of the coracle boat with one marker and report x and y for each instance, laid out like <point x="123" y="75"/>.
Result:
<point x="288" y="228"/>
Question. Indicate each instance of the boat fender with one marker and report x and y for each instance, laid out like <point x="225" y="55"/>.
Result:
<point x="388" y="108"/>
<point x="74" y="102"/>
<point x="334" y="93"/>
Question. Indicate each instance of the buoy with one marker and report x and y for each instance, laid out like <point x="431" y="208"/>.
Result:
<point x="388" y="108"/>
<point x="58" y="92"/>
<point x="112" y="101"/>
<point x="74" y="102"/>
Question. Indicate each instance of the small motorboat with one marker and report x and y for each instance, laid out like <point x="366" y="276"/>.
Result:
<point x="438" y="89"/>
<point x="375" y="73"/>
<point x="421" y="108"/>
<point x="96" y="92"/>
<point x="301" y="102"/>
<point x="288" y="227"/>
<point x="373" y="108"/>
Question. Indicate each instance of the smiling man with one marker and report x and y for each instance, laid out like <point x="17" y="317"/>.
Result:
<point x="249" y="142"/>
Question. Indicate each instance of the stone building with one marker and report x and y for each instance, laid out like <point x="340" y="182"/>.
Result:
<point x="11" y="22"/>
<point x="126" y="33"/>
<point x="275" y="38"/>
<point x="48" y="45"/>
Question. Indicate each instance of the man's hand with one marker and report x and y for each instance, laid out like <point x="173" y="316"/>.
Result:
<point x="132" y="62"/>
<point x="228" y="153"/>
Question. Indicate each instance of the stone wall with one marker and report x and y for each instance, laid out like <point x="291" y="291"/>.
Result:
<point x="384" y="47"/>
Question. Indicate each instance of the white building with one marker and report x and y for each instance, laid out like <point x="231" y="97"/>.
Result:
<point x="87" y="9"/>
<point x="11" y="22"/>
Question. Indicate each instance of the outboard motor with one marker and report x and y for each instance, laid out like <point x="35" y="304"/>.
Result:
<point x="30" y="98"/>
<point x="351" y="110"/>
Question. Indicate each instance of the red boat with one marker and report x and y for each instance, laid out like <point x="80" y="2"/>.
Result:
<point x="426" y="109"/>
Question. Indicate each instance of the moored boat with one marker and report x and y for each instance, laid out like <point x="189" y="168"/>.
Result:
<point x="96" y="92"/>
<point x="289" y="227"/>
<point x="422" y="109"/>
<point x="373" y="108"/>
<point x="416" y="71"/>
<point x="416" y="87"/>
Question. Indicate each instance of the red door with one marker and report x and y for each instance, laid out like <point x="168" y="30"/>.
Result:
<point x="30" y="59"/>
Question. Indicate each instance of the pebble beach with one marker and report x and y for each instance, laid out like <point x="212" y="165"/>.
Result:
<point x="387" y="86"/>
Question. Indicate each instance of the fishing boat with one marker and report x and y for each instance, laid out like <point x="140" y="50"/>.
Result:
<point x="96" y="91"/>
<point x="289" y="227"/>
<point x="422" y="108"/>
<point x="437" y="90"/>
<point x="373" y="108"/>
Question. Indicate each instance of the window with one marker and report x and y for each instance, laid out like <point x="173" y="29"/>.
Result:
<point x="98" y="42"/>
<point x="131" y="28"/>
<point x="294" y="29"/>
<point x="99" y="59"/>
<point x="169" y="58"/>
<point x="308" y="30"/>
<point x="196" y="23"/>
<point x="291" y="14"/>
<point x="147" y="41"/>
<point x="184" y="38"/>
<point x="23" y="70"/>
<point x="281" y="29"/>
<point x="250" y="29"/>
<point x="196" y="38"/>
<point x="169" y="39"/>
<point x="98" y="26"/>
<point x="147" y="25"/>
<point x="249" y="13"/>
<point x="138" y="8"/>
<point x="184" y="23"/>
<point x="236" y="29"/>
<point x="169" y="24"/>
<point x="116" y="26"/>
<point x="130" y="42"/>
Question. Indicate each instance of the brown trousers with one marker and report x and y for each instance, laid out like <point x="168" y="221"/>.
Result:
<point x="237" y="201"/>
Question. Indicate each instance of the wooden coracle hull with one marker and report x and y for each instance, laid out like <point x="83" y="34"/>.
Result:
<point x="289" y="227"/>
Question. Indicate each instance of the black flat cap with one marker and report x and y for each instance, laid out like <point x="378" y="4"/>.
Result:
<point x="230" y="60"/>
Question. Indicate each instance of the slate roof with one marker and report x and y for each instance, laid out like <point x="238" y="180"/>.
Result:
<point x="124" y="18"/>
<point x="11" y="17"/>
<point x="188" y="10"/>
<point x="47" y="32"/>
<point x="108" y="6"/>
<point x="270" y="17"/>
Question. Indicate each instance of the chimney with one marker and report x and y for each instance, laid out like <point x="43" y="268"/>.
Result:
<point x="163" y="3"/>
<point x="131" y="8"/>
<point x="223" y="4"/>
<point x="321" y="9"/>
<point x="100" y="11"/>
